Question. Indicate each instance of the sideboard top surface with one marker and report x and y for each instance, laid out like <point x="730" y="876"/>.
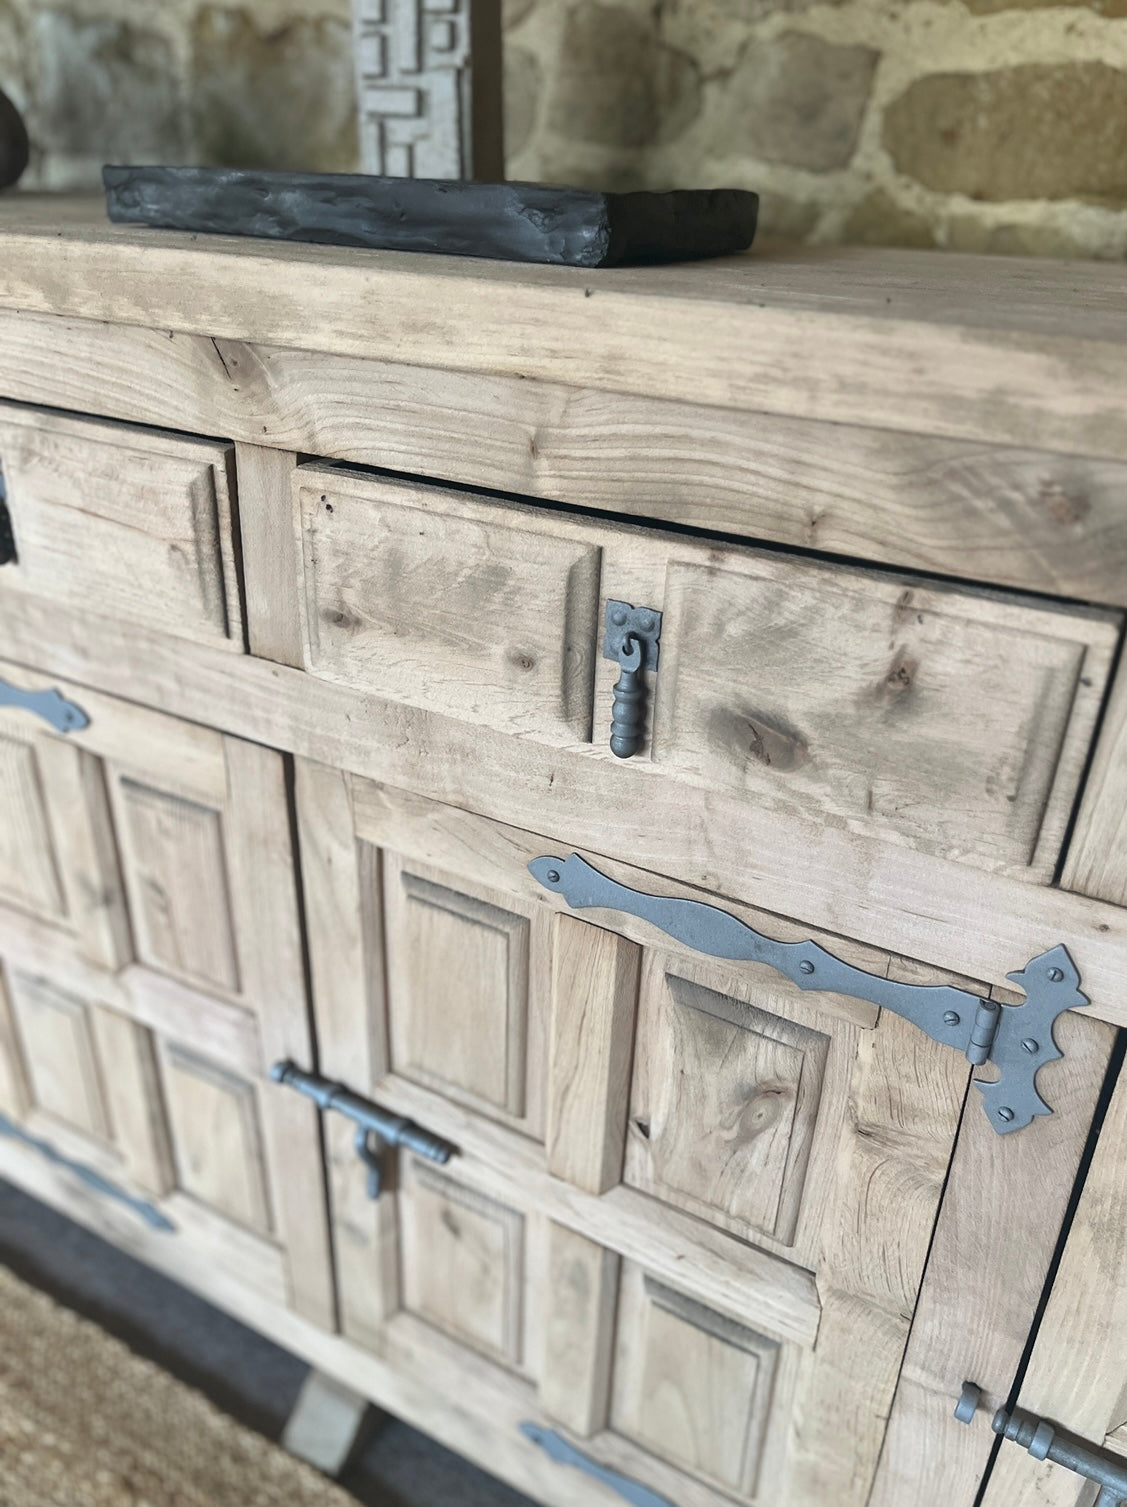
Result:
<point x="1000" y="349"/>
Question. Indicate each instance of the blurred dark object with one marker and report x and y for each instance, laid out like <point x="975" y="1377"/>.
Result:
<point x="520" y="222"/>
<point x="14" y="146"/>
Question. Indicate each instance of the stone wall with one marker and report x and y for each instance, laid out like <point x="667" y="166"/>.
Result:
<point x="978" y="124"/>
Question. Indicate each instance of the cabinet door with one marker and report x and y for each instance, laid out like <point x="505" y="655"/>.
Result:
<point x="1077" y="1375"/>
<point x="151" y="971"/>
<point x="692" y="1204"/>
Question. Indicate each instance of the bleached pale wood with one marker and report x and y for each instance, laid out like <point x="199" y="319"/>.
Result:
<point x="1018" y="517"/>
<point x="691" y="1386"/>
<point x="496" y="1161"/>
<point x="342" y="893"/>
<point x="594" y="1006"/>
<point x="131" y="520"/>
<point x="15" y="1090"/>
<point x="214" y="1121"/>
<point x="482" y="611"/>
<point x="263" y="884"/>
<point x="944" y="913"/>
<point x="136" y="1105"/>
<point x="1077" y="1376"/>
<point x="1001" y="1215"/>
<point x="580" y="1299"/>
<point x="270" y="551"/>
<point x="62" y="1064"/>
<point x="726" y="1098"/>
<point x="1097" y="856"/>
<point x="459" y="995"/>
<point x="951" y="721"/>
<point x="326" y="1423"/>
<point x="987" y="348"/>
<point x="463" y="1262"/>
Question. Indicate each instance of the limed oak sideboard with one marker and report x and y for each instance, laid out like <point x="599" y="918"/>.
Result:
<point x="681" y="1121"/>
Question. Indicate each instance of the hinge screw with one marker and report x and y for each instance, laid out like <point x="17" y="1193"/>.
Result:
<point x="951" y="1018"/>
<point x="553" y="876"/>
<point x="1029" y="1045"/>
<point x="806" y="966"/>
<point x="1005" y="1113"/>
<point x="1056" y="974"/>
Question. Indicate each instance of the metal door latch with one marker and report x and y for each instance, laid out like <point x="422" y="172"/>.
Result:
<point x="63" y="715"/>
<point x="1017" y="1039"/>
<point x="377" y="1129"/>
<point x="633" y="638"/>
<point x="1045" y="1441"/>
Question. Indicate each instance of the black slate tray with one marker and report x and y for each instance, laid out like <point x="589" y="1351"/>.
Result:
<point x="520" y="222"/>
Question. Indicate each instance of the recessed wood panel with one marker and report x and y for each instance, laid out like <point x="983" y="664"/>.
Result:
<point x="216" y="1136"/>
<point x="114" y="519"/>
<point x="692" y="1385"/>
<point x="937" y="719"/>
<point x="724" y="1103"/>
<point x="176" y="873"/>
<point x="483" y="613"/>
<point x="58" y="1048"/>
<point x="459" y="991"/>
<point x="29" y="874"/>
<point x="462" y="1264"/>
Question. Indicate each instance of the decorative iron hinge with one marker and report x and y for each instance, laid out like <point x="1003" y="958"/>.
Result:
<point x="1045" y="1441"/>
<point x="1017" y="1039"/>
<point x="376" y="1128"/>
<point x="63" y="715"/>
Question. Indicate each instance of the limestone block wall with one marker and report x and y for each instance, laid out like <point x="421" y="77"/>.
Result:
<point x="995" y="125"/>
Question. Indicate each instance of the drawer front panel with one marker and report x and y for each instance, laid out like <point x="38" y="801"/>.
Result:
<point x="951" y="721"/>
<point x="488" y="616"/>
<point x="128" y="522"/>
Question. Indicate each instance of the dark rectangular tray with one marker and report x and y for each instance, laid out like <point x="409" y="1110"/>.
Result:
<point x="521" y="222"/>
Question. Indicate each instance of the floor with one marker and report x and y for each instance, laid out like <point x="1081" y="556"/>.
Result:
<point x="238" y="1369"/>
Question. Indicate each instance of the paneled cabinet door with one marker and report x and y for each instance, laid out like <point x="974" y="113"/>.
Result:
<point x="691" y="1209"/>
<point x="150" y="970"/>
<point x="1077" y="1375"/>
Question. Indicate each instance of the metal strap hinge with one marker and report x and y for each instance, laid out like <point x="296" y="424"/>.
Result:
<point x="1017" y="1039"/>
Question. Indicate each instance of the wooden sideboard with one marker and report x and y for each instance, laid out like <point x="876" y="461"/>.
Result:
<point x="303" y="631"/>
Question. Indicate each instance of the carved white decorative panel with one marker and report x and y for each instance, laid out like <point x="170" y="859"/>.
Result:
<point x="428" y="77"/>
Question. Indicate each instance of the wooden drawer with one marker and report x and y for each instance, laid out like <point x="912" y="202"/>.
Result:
<point x="123" y="521"/>
<point x="956" y="722"/>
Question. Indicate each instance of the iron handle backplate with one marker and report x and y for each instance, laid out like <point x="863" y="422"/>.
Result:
<point x="633" y="639"/>
<point x="63" y="715"/>
<point x="376" y="1129"/>
<point x="1044" y="1441"/>
<point x="1017" y="1039"/>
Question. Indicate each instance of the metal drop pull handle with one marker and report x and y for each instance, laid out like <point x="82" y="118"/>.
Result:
<point x="1045" y="1441"/>
<point x="377" y="1129"/>
<point x="633" y="639"/>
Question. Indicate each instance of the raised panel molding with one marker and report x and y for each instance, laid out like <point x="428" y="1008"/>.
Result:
<point x="459" y="993"/>
<point x="724" y="1105"/>
<point x="29" y="873"/>
<point x="176" y="873"/>
<point x="693" y="1386"/>
<point x="216" y="1137"/>
<point x="59" y="1051"/>
<point x="463" y="1263"/>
